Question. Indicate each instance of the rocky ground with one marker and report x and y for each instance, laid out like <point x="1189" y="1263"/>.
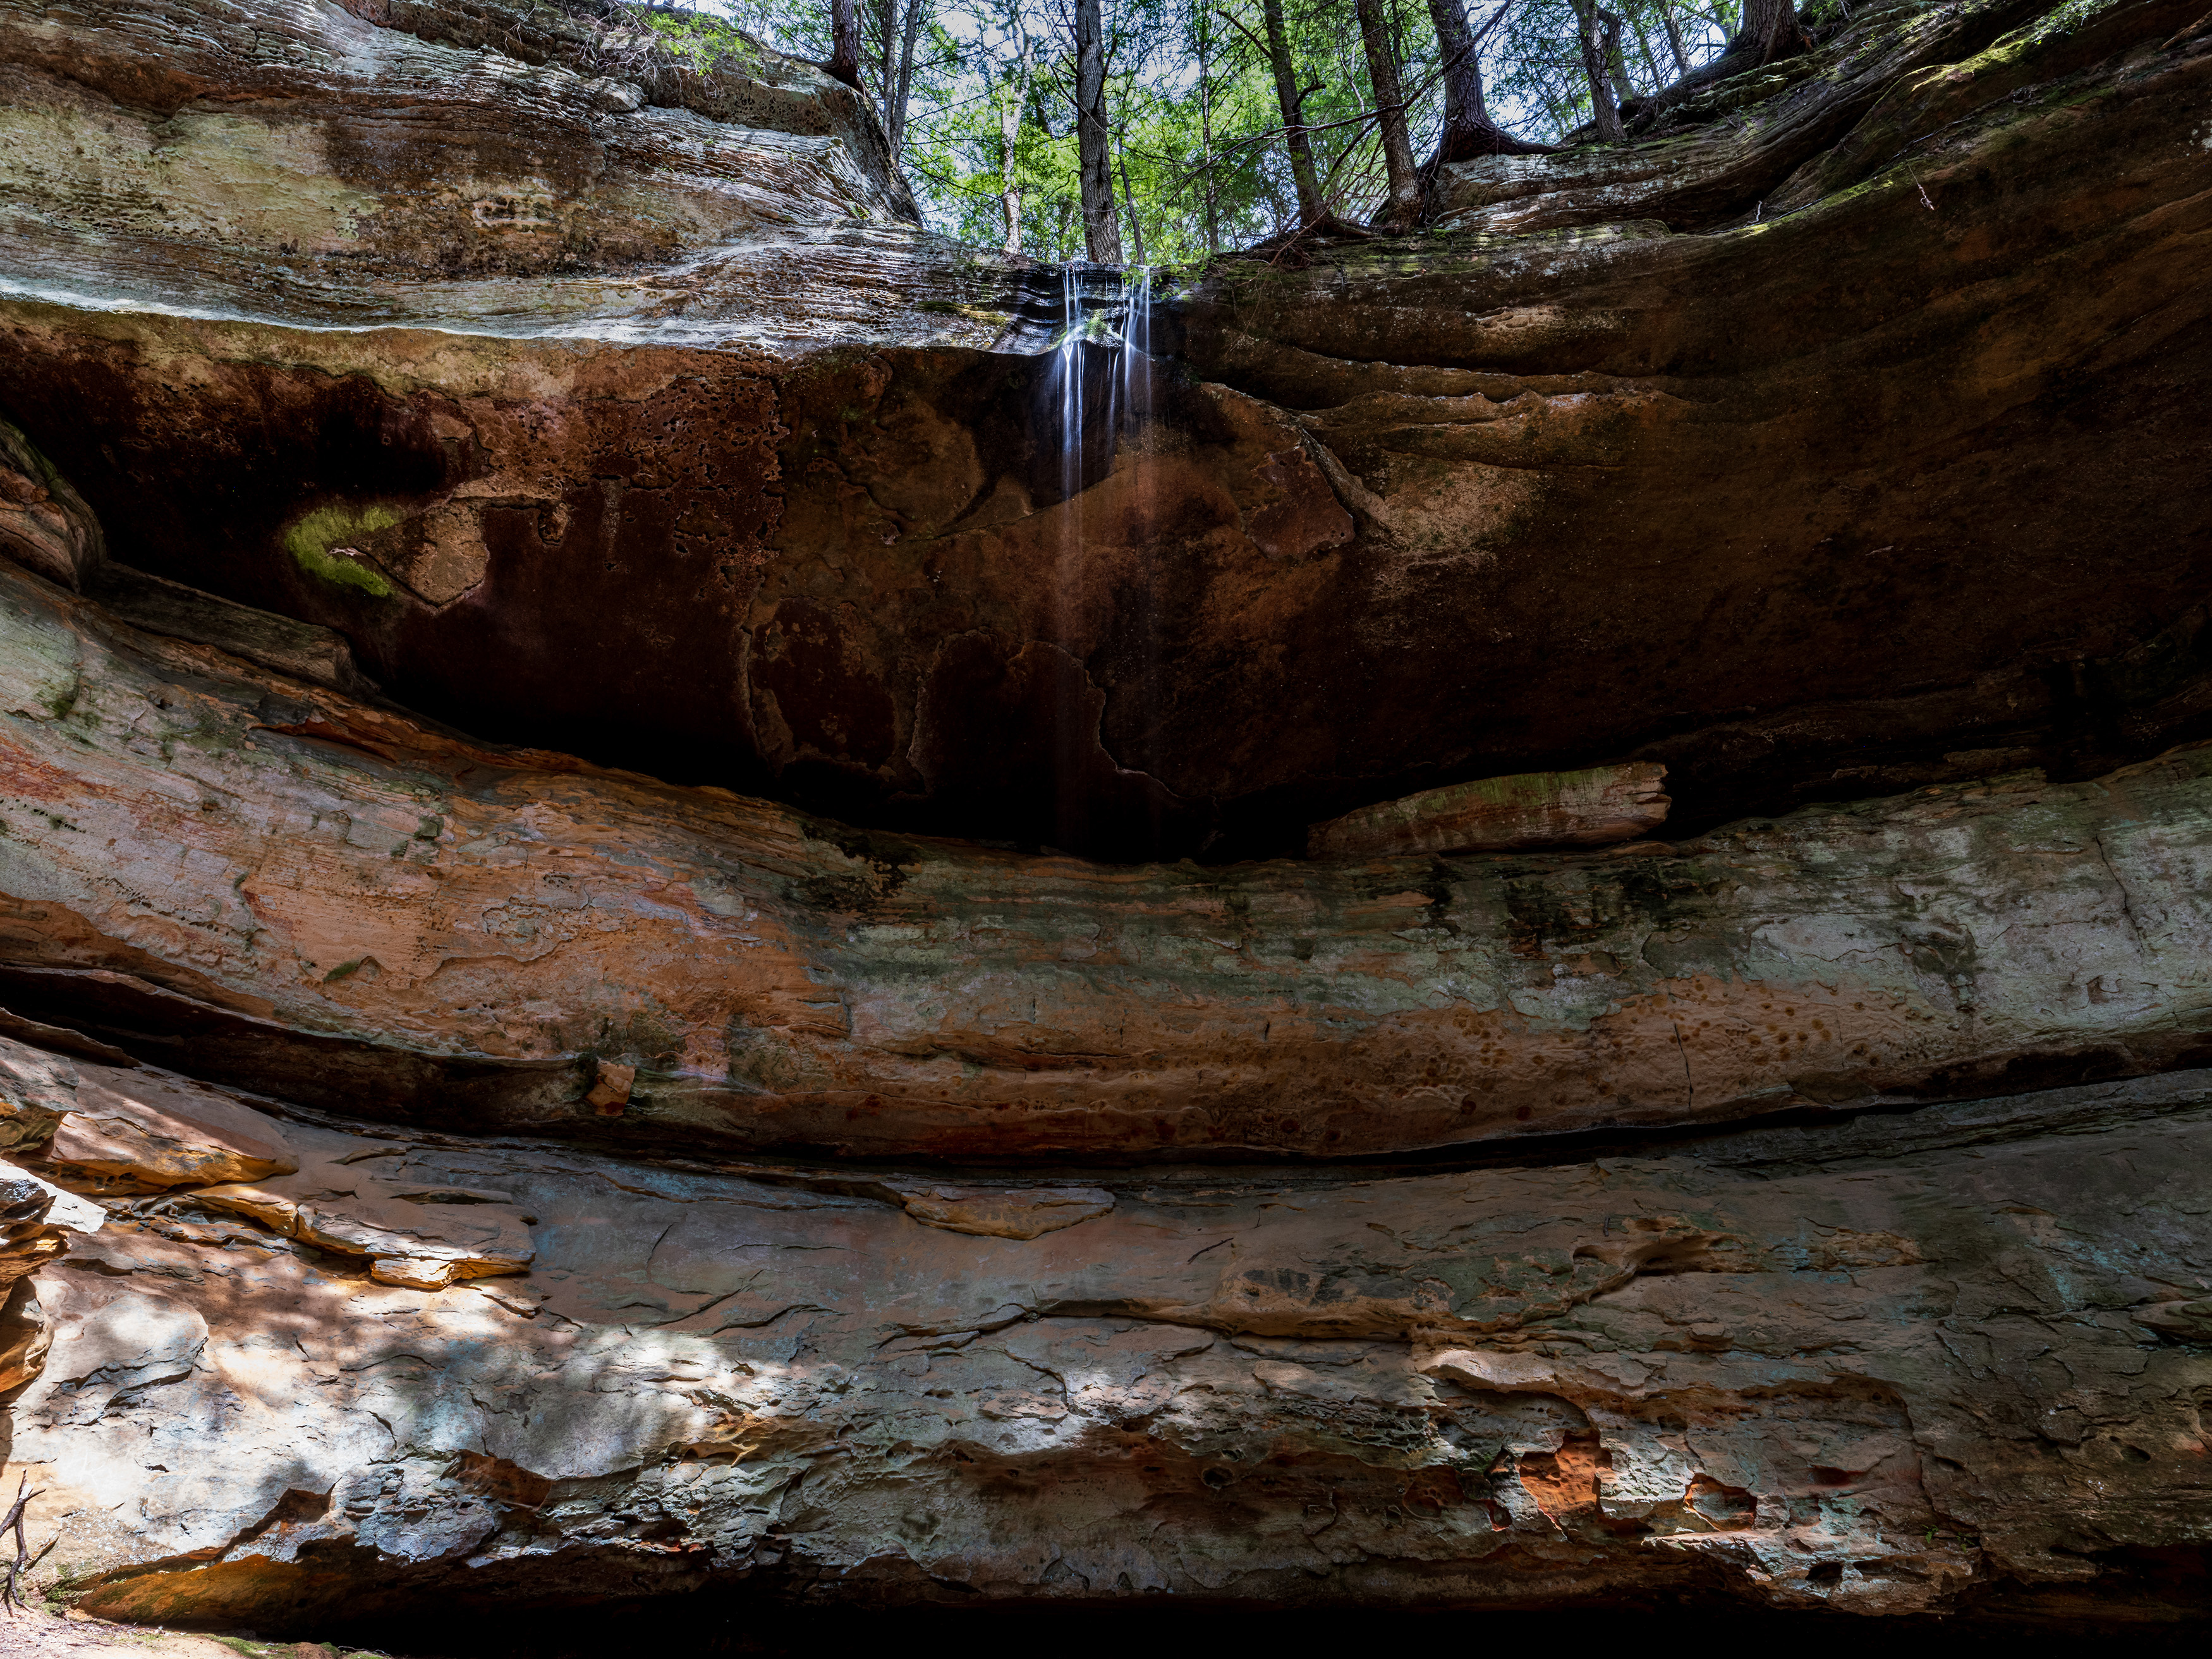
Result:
<point x="35" y="1633"/>
<point x="1878" y="1364"/>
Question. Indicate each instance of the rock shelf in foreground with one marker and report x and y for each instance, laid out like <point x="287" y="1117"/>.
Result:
<point x="1886" y="1365"/>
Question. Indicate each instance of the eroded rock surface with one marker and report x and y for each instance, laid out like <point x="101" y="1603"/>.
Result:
<point x="38" y="1220"/>
<point x="1541" y="809"/>
<point x="109" y="1130"/>
<point x="365" y="913"/>
<point x="653" y="431"/>
<point x="1890" y="1365"/>
<point x="451" y="1173"/>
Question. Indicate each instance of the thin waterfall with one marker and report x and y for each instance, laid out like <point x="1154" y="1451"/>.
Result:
<point x="1104" y="397"/>
<point x="1102" y="363"/>
<point x="1070" y="384"/>
<point x="1133" y="376"/>
<point x="1070" y="741"/>
<point x="1138" y="696"/>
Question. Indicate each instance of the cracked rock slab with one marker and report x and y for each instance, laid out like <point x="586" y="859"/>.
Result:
<point x="1802" y="1367"/>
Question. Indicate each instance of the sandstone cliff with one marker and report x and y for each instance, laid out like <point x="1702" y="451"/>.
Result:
<point x="661" y="912"/>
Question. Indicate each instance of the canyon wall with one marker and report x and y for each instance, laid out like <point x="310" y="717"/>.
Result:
<point x="653" y="934"/>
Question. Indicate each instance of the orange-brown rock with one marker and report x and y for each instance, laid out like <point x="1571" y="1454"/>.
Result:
<point x="356" y="910"/>
<point x="1000" y="1212"/>
<point x="104" y="1129"/>
<point x="425" y="1238"/>
<point x="1543" y="809"/>
<point x="44" y="524"/>
<point x="38" y="1220"/>
<point x="1846" y="441"/>
<point x="118" y="1139"/>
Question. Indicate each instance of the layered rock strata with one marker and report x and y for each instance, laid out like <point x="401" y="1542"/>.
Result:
<point x="490" y="1177"/>
<point x="38" y="1223"/>
<point x="363" y="912"/>
<point x="1898" y="1365"/>
<point x="659" y="434"/>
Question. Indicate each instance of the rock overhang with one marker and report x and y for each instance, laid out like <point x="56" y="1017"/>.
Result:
<point x="785" y="456"/>
<point x="690" y="1192"/>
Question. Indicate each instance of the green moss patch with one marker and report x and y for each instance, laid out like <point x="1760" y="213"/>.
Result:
<point x="701" y="42"/>
<point x="310" y="542"/>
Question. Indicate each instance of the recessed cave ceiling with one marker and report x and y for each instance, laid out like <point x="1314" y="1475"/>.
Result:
<point x="1845" y="500"/>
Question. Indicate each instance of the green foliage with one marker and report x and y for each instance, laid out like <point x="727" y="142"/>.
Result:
<point x="1196" y="127"/>
<point x="700" y="42"/>
<point x="71" y="1580"/>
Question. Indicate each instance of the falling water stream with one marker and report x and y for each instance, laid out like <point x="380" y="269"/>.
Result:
<point x="1120" y="328"/>
<point x="1105" y="375"/>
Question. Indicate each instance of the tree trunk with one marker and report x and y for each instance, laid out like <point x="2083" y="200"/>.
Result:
<point x="895" y="30"/>
<point x="882" y="28"/>
<point x="1616" y="65"/>
<point x="1390" y="114"/>
<point x="1771" y="30"/>
<point x="898" y="93"/>
<point x="1205" y="140"/>
<point x="1468" y="130"/>
<point x="1129" y="202"/>
<point x="1650" y="57"/>
<point x="1010" y="133"/>
<point x="1674" y="38"/>
<point x="844" y="63"/>
<point x="1102" y="234"/>
<point x="1605" y="113"/>
<point x="1311" y="211"/>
